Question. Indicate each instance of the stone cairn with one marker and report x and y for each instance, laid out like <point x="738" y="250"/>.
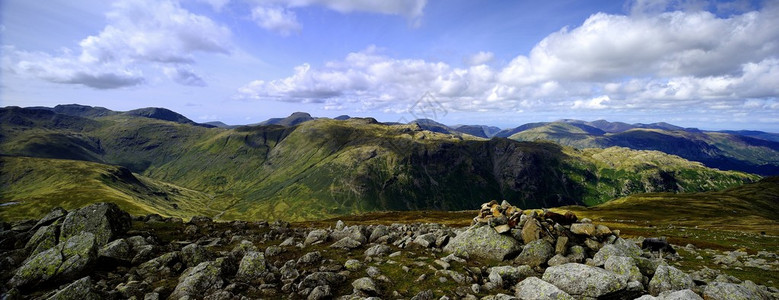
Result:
<point x="561" y="228"/>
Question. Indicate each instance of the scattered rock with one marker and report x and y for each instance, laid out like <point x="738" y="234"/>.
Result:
<point x="252" y="265"/>
<point x="582" y="280"/>
<point x="730" y="291"/>
<point x="534" y="288"/>
<point x="365" y="285"/>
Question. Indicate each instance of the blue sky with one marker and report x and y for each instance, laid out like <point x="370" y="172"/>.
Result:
<point x="705" y="64"/>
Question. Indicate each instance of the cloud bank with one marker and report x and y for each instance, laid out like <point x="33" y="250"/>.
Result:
<point x="642" y="61"/>
<point x="138" y="33"/>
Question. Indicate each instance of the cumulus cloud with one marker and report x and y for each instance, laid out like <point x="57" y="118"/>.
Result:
<point x="183" y="76"/>
<point x="276" y="19"/>
<point x="139" y="33"/>
<point x="480" y="58"/>
<point x="278" y="16"/>
<point x="660" y="60"/>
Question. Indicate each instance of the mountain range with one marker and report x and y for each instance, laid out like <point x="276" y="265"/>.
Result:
<point x="154" y="160"/>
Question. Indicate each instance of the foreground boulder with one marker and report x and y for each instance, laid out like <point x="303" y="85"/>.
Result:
<point x="668" y="278"/>
<point x="62" y="262"/>
<point x="203" y="278"/>
<point x="732" y="291"/>
<point x="104" y="220"/>
<point x="580" y="280"/>
<point x="534" y="288"/>
<point x="483" y="242"/>
<point x="82" y="289"/>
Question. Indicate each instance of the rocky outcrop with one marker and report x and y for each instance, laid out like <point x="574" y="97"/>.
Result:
<point x="62" y="262"/>
<point x="165" y="258"/>
<point x="104" y="220"/>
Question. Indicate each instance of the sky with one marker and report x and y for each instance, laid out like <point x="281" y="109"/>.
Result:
<point x="706" y="64"/>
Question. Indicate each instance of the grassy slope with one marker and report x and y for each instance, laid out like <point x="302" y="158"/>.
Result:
<point x="714" y="149"/>
<point x="40" y="184"/>
<point x="325" y="168"/>
<point x="752" y="207"/>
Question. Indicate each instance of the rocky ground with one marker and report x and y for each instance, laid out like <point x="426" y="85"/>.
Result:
<point x="101" y="252"/>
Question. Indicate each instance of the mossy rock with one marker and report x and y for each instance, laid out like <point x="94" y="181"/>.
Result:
<point x="483" y="242"/>
<point x="105" y="220"/>
<point x="62" y="262"/>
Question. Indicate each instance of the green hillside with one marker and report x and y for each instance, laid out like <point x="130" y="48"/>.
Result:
<point x="714" y="149"/>
<point x="751" y="207"/>
<point x="324" y="168"/>
<point x="33" y="186"/>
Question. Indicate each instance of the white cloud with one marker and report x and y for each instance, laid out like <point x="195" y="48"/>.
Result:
<point x="594" y="103"/>
<point x="664" y="61"/>
<point x="407" y="8"/>
<point x="480" y="58"/>
<point x="276" y="19"/>
<point x="278" y="16"/>
<point x="139" y="33"/>
<point x="216" y="4"/>
<point x="184" y="76"/>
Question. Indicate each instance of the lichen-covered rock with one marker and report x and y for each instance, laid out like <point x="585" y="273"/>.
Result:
<point x="81" y="289"/>
<point x="729" y="291"/>
<point x="624" y="266"/>
<point x="252" y="265"/>
<point x="65" y="261"/>
<point x="54" y="215"/>
<point x="43" y="239"/>
<point x="354" y="232"/>
<point x="321" y="278"/>
<point x="347" y="243"/>
<point x="310" y="258"/>
<point x="116" y="250"/>
<point x="537" y="289"/>
<point x="483" y="242"/>
<point x="580" y="280"/>
<point x="535" y="254"/>
<point x="316" y="236"/>
<point x="668" y="278"/>
<point x="587" y="229"/>
<point x="194" y="254"/>
<point x="197" y="281"/>
<point x="155" y="265"/>
<point x="425" y="240"/>
<point x="104" y="220"/>
<point x="320" y="292"/>
<point x="509" y="275"/>
<point x="365" y="285"/>
<point x="599" y="259"/>
<point x="379" y="249"/>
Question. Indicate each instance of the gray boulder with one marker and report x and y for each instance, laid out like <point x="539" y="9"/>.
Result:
<point x="105" y="220"/>
<point x="320" y="292"/>
<point x="379" y="249"/>
<point x="483" y="242"/>
<point x="668" y="278"/>
<point x="198" y="281"/>
<point x="252" y="265"/>
<point x="63" y="262"/>
<point x="43" y="239"/>
<point x="365" y="285"/>
<point x="425" y="240"/>
<point x="321" y="278"/>
<point x="347" y="243"/>
<point x="535" y="253"/>
<point x="54" y="215"/>
<point x="116" y="250"/>
<point x="624" y="266"/>
<point x="729" y="291"/>
<point x="537" y="289"/>
<point x="316" y="236"/>
<point x="580" y="280"/>
<point x="81" y="289"/>
<point x="194" y="254"/>
<point x="509" y="275"/>
<point x="599" y="259"/>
